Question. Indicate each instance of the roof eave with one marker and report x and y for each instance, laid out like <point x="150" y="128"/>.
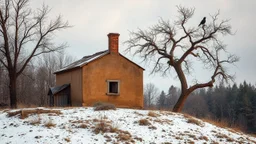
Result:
<point x="66" y="70"/>
<point x="132" y="62"/>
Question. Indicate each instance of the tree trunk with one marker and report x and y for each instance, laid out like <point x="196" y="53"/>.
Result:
<point x="180" y="103"/>
<point x="184" y="94"/>
<point x="12" y="89"/>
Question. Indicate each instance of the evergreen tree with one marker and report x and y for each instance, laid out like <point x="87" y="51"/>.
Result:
<point x="162" y="100"/>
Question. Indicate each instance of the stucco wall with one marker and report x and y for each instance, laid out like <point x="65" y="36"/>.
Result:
<point x="113" y="67"/>
<point x="74" y="77"/>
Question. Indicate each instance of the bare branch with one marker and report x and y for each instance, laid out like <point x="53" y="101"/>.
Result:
<point x="165" y="40"/>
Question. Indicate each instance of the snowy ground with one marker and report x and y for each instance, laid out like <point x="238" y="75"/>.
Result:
<point x="84" y="125"/>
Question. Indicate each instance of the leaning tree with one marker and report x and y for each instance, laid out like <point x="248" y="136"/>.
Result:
<point x="175" y="45"/>
<point x="24" y="35"/>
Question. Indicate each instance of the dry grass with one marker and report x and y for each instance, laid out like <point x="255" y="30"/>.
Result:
<point x="192" y="136"/>
<point x="102" y="125"/>
<point x="137" y="113"/>
<point x="114" y="128"/>
<point x="178" y="138"/>
<point x="49" y="124"/>
<point x="195" y="121"/>
<point x="104" y="106"/>
<point x="153" y="114"/>
<point x="191" y="142"/>
<point x="13" y="113"/>
<point x="167" y="113"/>
<point x="25" y="113"/>
<point x="222" y="124"/>
<point x="223" y="136"/>
<point x="83" y="125"/>
<point x="124" y="136"/>
<point x="67" y="139"/>
<point x="163" y="121"/>
<point x="138" y="139"/>
<point x="225" y="124"/>
<point x="220" y="135"/>
<point x="144" y="122"/>
<point x="204" y="138"/>
<point x="152" y="127"/>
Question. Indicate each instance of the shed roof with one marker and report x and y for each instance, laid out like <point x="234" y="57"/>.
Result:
<point x="88" y="59"/>
<point x="56" y="89"/>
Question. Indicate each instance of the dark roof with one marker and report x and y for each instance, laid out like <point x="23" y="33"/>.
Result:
<point x="88" y="59"/>
<point x="83" y="61"/>
<point x="56" y="89"/>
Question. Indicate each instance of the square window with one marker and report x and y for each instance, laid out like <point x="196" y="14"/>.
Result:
<point x="113" y="87"/>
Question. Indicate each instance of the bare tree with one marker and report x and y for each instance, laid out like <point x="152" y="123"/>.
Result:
<point x="150" y="94"/>
<point x="174" y="45"/>
<point x="47" y="65"/>
<point x="25" y="34"/>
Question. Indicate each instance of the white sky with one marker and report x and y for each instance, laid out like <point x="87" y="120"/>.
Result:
<point x="92" y="20"/>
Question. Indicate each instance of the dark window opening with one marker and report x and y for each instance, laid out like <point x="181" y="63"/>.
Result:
<point x="113" y="87"/>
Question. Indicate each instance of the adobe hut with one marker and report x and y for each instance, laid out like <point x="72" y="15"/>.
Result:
<point x="105" y="76"/>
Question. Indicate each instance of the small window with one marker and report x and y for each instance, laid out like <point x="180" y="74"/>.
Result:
<point x="113" y="87"/>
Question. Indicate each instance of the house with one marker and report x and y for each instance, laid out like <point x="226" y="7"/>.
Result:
<point x="105" y="76"/>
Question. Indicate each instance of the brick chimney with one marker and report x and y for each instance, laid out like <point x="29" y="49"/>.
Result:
<point x="113" y="42"/>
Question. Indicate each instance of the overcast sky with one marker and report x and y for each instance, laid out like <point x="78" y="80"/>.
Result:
<point x="92" y="20"/>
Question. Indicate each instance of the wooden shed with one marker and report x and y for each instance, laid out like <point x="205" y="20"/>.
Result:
<point x="106" y="76"/>
<point x="60" y="95"/>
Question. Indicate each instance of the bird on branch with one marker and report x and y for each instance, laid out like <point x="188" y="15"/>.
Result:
<point x="203" y="21"/>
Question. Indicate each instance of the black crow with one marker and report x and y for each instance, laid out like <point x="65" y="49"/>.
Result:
<point x="203" y="21"/>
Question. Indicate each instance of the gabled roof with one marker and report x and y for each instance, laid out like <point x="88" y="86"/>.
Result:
<point x="88" y="59"/>
<point x="83" y="61"/>
<point x="56" y="89"/>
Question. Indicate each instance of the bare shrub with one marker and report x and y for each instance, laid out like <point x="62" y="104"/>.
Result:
<point x="104" y="106"/>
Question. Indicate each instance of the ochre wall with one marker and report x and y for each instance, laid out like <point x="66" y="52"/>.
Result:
<point x="74" y="77"/>
<point x="113" y="67"/>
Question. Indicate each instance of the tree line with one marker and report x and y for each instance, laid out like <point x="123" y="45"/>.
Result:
<point x="234" y="105"/>
<point x="34" y="82"/>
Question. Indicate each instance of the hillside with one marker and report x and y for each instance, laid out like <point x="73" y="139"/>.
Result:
<point x="84" y="125"/>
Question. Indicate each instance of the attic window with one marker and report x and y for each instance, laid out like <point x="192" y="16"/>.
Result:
<point x="113" y="87"/>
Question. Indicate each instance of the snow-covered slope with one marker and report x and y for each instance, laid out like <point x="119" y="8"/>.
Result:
<point x="84" y="125"/>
